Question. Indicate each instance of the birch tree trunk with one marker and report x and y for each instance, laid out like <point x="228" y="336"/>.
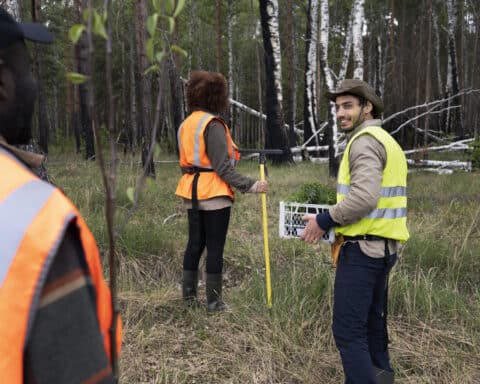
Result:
<point x="276" y="135"/>
<point x="436" y="51"/>
<point x="13" y="7"/>
<point x="348" y="48"/>
<point x="290" y="54"/>
<point x="332" y="131"/>
<point x="310" y="120"/>
<point x="357" y="31"/>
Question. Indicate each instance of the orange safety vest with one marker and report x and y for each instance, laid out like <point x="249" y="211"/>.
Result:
<point x="34" y="216"/>
<point x="193" y="155"/>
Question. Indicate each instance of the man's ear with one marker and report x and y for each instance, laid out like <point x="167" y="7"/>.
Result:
<point x="7" y="83"/>
<point x="368" y="107"/>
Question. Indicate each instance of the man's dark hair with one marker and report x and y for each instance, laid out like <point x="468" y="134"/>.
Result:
<point x="207" y="90"/>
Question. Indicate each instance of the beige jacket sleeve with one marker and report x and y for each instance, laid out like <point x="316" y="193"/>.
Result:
<point x="367" y="160"/>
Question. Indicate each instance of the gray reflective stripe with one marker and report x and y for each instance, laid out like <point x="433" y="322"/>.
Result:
<point x="16" y="213"/>
<point x="393" y="191"/>
<point x="179" y="135"/>
<point x="388" y="213"/>
<point x="196" y="147"/>
<point x="343" y="189"/>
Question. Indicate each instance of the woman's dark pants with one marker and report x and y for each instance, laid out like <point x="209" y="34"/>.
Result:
<point x="208" y="229"/>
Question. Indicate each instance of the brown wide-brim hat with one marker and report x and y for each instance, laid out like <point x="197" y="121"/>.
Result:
<point x="357" y="87"/>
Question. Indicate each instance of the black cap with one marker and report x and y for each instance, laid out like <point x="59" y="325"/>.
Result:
<point x="12" y="31"/>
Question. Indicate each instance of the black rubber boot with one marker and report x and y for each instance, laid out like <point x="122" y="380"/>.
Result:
<point x="383" y="376"/>
<point x="214" y="293"/>
<point x="189" y="287"/>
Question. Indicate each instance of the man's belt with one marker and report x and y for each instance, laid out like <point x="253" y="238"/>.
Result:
<point x="365" y="237"/>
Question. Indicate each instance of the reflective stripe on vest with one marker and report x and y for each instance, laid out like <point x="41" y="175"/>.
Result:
<point x="388" y="219"/>
<point x="196" y="150"/>
<point x="33" y="196"/>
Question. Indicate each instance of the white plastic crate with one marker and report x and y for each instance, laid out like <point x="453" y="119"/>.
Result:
<point x="291" y="225"/>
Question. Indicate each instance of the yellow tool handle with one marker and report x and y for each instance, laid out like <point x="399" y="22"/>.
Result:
<point x="265" y="240"/>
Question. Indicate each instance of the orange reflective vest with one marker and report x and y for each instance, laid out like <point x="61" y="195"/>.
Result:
<point x="34" y="215"/>
<point x="193" y="155"/>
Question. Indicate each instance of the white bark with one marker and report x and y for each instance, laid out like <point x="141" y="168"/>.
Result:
<point x="311" y="70"/>
<point x="327" y="73"/>
<point x="357" y="32"/>
<point x="256" y="113"/>
<point x="13" y="7"/>
<point x="272" y="11"/>
<point x="348" y="48"/>
<point x="455" y="146"/>
<point x="437" y="51"/>
<point x="455" y="164"/>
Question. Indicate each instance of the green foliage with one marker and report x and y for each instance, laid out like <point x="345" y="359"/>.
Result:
<point x="76" y="78"/>
<point x="163" y="18"/>
<point x="314" y="193"/>
<point x="476" y="155"/>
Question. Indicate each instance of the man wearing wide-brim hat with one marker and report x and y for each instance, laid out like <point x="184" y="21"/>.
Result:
<point x="370" y="222"/>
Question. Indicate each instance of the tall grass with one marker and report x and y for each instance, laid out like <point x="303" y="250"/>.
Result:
<point x="434" y="289"/>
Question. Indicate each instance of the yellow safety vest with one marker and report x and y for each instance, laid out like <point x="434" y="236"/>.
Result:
<point x="389" y="218"/>
<point x="193" y="155"/>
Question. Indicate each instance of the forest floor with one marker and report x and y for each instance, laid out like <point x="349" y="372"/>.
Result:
<point x="434" y="307"/>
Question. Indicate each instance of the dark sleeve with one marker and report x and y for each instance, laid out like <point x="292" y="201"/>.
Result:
<point x="217" y="152"/>
<point x="65" y="344"/>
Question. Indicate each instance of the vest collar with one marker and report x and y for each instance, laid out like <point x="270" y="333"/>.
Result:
<point x="366" y="123"/>
<point x="33" y="160"/>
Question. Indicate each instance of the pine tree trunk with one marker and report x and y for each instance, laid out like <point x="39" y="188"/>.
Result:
<point x="81" y="50"/>
<point x="276" y="135"/>
<point x="43" y="125"/>
<point x="145" y="87"/>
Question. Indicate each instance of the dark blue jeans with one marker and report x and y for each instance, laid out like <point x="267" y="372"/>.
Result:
<point x="359" y="313"/>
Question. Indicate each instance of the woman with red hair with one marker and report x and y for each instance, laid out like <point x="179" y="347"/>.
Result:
<point x="208" y="157"/>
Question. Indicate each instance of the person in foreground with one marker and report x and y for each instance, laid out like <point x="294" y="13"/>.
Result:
<point x="370" y="221"/>
<point x="208" y="157"/>
<point x="55" y="307"/>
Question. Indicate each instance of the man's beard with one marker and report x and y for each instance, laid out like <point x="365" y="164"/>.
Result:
<point x="16" y="120"/>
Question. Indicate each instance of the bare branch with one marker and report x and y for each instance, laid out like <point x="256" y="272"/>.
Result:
<point x="435" y="102"/>
<point x="423" y="114"/>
